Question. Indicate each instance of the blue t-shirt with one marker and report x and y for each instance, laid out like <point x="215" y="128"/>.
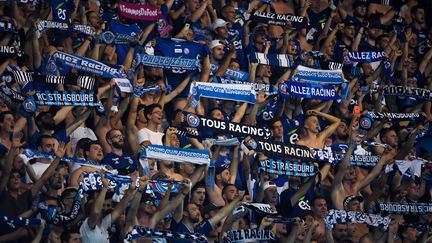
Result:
<point x="127" y="29"/>
<point x="203" y="228"/>
<point x="61" y="10"/>
<point x="125" y="164"/>
<point x="144" y="23"/>
<point x="269" y="111"/>
<point x="235" y="37"/>
<point x="179" y="48"/>
<point x="59" y="134"/>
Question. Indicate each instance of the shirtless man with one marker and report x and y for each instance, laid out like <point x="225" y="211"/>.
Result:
<point x="314" y="139"/>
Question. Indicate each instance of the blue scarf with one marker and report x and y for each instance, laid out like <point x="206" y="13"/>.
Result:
<point x="229" y="73"/>
<point x="108" y="37"/>
<point x="284" y="167"/>
<point x="277" y="19"/>
<point x="319" y="76"/>
<point x="7" y="26"/>
<point x="140" y="90"/>
<point x="83" y="64"/>
<point x="235" y="92"/>
<point x="309" y="90"/>
<point x="406" y="208"/>
<point x="16" y="222"/>
<point x="360" y="160"/>
<point x="269" y="89"/>
<point x="145" y="232"/>
<point x="422" y="94"/>
<point x="67" y="98"/>
<point x="205" y="123"/>
<point x="278" y="60"/>
<point x="10" y="96"/>
<point x="372" y="56"/>
<point x="248" y="235"/>
<point x="169" y="62"/>
<point x="342" y="216"/>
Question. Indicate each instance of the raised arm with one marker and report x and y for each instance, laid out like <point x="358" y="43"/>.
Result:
<point x="175" y="202"/>
<point x="121" y="206"/>
<point x="388" y="156"/>
<point x="223" y="212"/>
<point x="199" y="12"/>
<point x="97" y="205"/>
<point x="329" y="129"/>
<point x="234" y="165"/>
<point x="79" y="120"/>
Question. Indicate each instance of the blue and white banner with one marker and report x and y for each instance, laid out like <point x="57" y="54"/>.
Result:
<point x="161" y="186"/>
<point x="67" y="98"/>
<point x="319" y="76"/>
<point x="309" y="90"/>
<point x="372" y="56"/>
<point x="205" y="123"/>
<point x="124" y="85"/>
<point x="269" y="89"/>
<point x="169" y="62"/>
<point x="365" y="56"/>
<point x="195" y="156"/>
<point x="423" y="94"/>
<point x="16" y="222"/>
<point x="10" y="96"/>
<point x="83" y="64"/>
<point x="248" y="235"/>
<point x="360" y="160"/>
<point x="405" y="208"/>
<point x="278" y="60"/>
<point x="145" y="232"/>
<point x="108" y="37"/>
<point x="234" y="92"/>
<point x="43" y="25"/>
<point x="284" y="167"/>
<point x="230" y="73"/>
<point x="341" y="216"/>
<point x="140" y="90"/>
<point x="394" y="116"/>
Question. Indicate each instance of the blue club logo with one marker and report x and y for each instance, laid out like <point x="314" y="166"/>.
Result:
<point x="365" y="123"/>
<point x="193" y="120"/>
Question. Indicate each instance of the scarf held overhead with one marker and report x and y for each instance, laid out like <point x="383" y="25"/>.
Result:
<point x="423" y="94"/>
<point x="248" y="235"/>
<point x="202" y="123"/>
<point x="235" y="92"/>
<point x="67" y="98"/>
<point x="169" y="62"/>
<point x="319" y="76"/>
<point x="84" y="64"/>
<point x="282" y="167"/>
<point x="145" y="232"/>
<point x="342" y="216"/>
<point x="309" y="90"/>
<point x="406" y="208"/>
<point x="139" y="12"/>
<point x="278" y="60"/>
<point x="280" y="150"/>
<point x="279" y="19"/>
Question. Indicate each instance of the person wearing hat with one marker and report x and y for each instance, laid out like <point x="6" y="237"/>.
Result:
<point x="217" y="51"/>
<point x="352" y="203"/>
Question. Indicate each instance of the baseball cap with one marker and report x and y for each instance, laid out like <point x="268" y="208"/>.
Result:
<point x="219" y="23"/>
<point x="269" y="184"/>
<point x="216" y="43"/>
<point x="351" y="198"/>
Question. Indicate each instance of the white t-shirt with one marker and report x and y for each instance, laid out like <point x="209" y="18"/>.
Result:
<point x="146" y="134"/>
<point x="39" y="168"/>
<point x="79" y="133"/>
<point x="97" y="235"/>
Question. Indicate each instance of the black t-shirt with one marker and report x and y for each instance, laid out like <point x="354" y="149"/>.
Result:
<point x="15" y="207"/>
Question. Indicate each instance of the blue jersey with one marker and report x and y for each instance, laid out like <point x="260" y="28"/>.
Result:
<point x="127" y="29"/>
<point x="125" y="164"/>
<point x="269" y="112"/>
<point x="203" y="228"/>
<point x="235" y="37"/>
<point x="179" y="48"/>
<point x="61" y="10"/>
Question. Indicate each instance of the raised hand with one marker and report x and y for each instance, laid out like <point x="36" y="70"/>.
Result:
<point x="60" y="150"/>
